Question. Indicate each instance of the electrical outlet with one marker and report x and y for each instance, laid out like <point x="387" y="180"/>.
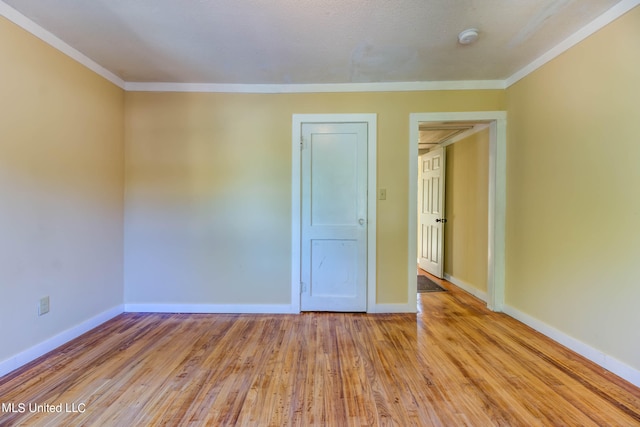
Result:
<point x="43" y="307"/>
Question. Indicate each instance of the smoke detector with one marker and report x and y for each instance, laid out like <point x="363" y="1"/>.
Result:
<point x="468" y="36"/>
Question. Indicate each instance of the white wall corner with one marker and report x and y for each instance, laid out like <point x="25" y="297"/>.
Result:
<point x="604" y="360"/>
<point x="29" y="355"/>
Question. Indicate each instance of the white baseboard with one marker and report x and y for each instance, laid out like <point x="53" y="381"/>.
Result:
<point x="211" y="308"/>
<point x="56" y="341"/>
<point x="248" y="308"/>
<point x="609" y="363"/>
<point x="466" y="287"/>
<point x="393" y="308"/>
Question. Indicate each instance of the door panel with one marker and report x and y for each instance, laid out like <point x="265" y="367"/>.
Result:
<point x="431" y="215"/>
<point x="333" y="268"/>
<point x="334" y="180"/>
<point x="334" y="217"/>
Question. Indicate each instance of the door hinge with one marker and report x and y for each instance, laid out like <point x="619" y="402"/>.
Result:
<point x="303" y="288"/>
<point x="301" y="142"/>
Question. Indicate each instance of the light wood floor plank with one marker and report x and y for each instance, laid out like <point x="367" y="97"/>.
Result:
<point x="453" y="364"/>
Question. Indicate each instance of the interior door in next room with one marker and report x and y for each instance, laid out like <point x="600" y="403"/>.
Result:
<point x="431" y="175"/>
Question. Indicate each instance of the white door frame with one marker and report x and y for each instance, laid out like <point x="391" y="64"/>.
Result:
<point x="296" y="219"/>
<point x="497" y="198"/>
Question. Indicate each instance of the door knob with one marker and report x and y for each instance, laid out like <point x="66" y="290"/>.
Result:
<point x="361" y="221"/>
<point x="442" y="220"/>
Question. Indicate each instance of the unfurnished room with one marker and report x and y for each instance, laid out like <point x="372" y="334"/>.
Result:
<point x="319" y="213"/>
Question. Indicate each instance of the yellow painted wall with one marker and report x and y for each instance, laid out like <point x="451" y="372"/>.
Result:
<point x="466" y="210"/>
<point x="61" y="191"/>
<point x="208" y="190"/>
<point x="573" y="205"/>
<point x="207" y="213"/>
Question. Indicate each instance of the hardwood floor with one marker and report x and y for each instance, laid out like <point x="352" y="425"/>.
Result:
<point x="452" y="364"/>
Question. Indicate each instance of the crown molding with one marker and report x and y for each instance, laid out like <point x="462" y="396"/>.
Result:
<point x="601" y="21"/>
<point x="315" y="87"/>
<point x="25" y="23"/>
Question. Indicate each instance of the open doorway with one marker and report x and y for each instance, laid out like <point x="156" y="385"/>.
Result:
<point x="496" y="188"/>
<point x="453" y="177"/>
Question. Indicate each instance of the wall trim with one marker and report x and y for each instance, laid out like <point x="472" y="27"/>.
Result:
<point x="466" y="287"/>
<point x="211" y="308"/>
<point x="600" y="22"/>
<point x="602" y="359"/>
<point x="30" y="354"/>
<point x="315" y="87"/>
<point x="26" y="24"/>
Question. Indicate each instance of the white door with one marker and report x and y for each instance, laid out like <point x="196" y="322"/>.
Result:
<point x="334" y="217"/>
<point x="431" y="216"/>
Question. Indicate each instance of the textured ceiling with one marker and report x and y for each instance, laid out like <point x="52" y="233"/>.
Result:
<point x="310" y="41"/>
